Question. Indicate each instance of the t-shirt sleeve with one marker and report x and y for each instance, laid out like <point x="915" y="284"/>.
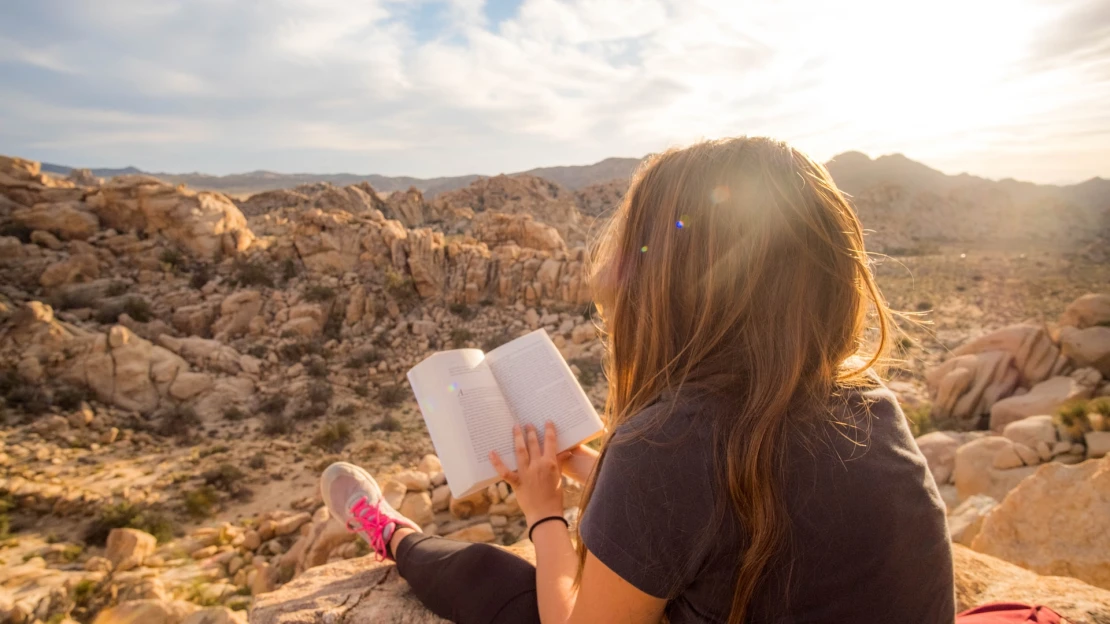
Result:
<point x="648" y="515"/>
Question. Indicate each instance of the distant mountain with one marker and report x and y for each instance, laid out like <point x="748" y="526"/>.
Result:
<point x="100" y="173"/>
<point x="571" y="177"/>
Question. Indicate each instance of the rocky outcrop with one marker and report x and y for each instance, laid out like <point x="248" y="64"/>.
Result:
<point x="990" y="368"/>
<point x="70" y="220"/>
<point x="1067" y="536"/>
<point x="1087" y="311"/>
<point x="981" y="579"/>
<point x="206" y="224"/>
<point x="361" y="590"/>
<point x="357" y="590"/>
<point x="119" y="367"/>
<point x="1088" y="347"/>
<point x="1044" y="397"/>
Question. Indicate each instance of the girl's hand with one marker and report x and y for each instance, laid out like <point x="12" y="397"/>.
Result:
<point x="537" y="481"/>
<point x="577" y="463"/>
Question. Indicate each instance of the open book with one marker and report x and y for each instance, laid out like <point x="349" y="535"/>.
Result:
<point x="471" y="400"/>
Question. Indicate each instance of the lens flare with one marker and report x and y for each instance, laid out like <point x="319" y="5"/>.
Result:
<point x="720" y="193"/>
<point x="453" y="387"/>
<point x="678" y="224"/>
<point x="643" y="249"/>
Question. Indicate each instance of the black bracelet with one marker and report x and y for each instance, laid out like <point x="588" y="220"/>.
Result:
<point x="542" y="520"/>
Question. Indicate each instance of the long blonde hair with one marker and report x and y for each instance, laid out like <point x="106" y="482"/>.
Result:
<point x="737" y="266"/>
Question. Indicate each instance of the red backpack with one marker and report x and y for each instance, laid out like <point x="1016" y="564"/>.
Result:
<point x="1009" y="613"/>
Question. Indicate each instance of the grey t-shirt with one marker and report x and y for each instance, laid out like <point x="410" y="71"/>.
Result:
<point x="867" y="532"/>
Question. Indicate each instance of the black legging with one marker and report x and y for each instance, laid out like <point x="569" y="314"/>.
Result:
<point x="468" y="583"/>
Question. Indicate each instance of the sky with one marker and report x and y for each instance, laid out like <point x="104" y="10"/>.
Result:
<point x="999" y="88"/>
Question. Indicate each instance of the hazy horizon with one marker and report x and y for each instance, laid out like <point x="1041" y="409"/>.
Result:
<point x="436" y="88"/>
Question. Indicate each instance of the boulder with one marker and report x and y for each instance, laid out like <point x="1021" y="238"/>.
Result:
<point x="939" y="449"/>
<point x="206" y="224"/>
<point x="1035" y="356"/>
<point x="1087" y="311"/>
<point x="354" y="590"/>
<point x="1032" y="431"/>
<point x="81" y="267"/>
<point x="216" y="615"/>
<point x="1055" y="523"/>
<point x="236" y="313"/>
<point x="1043" y="398"/>
<point x="417" y="506"/>
<point x="965" y="521"/>
<point x="127" y="548"/>
<point x="67" y="220"/>
<point x="981" y="579"/>
<point x="974" y="471"/>
<point x="482" y="532"/>
<point x="147" y="612"/>
<point x="1098" y="443"/>
<point x="1088" y="347"/>
<point x="473" y="505"/>
<point x="364" y="590"/>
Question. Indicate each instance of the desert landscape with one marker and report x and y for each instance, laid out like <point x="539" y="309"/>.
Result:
<point x="181" y="356"/>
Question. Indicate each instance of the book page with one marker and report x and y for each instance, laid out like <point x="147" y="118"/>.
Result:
<point x="539" y="386"/>
<point x="466" y="414"/>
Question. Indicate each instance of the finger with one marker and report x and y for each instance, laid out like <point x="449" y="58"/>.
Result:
<point x="520" y="448"/>
<point x="533" y="438"/>
<point x="565" y="456"/>
<point x="550" y="444"/>
<point x="502" y="470"/>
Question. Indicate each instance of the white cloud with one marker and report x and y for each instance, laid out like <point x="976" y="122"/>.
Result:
<point x="430" y="87"/>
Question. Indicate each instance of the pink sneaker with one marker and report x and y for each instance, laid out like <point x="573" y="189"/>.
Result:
<point x="354" y="498"/>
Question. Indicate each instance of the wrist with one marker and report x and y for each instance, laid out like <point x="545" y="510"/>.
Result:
<point x="532" y="518"/>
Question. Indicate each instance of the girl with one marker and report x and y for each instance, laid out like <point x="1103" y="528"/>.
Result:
<point x="755" y="468"/>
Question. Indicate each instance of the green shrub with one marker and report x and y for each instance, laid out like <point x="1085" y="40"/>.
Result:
<point x="333" y="326"/>
<point x="200" y="277"/>
<point x="319" y="293"/>
<point x="69" y="397"/>
<point x="348" y="409"/>
<point x="250" y="273"/>
<point x="316" y="368"/>
<point x="400" y="287"/>
<point x="200" y="501"/>
<point x="277" y="424"/>
<point x="179" y="421"/>
<point x="388" y="422"/>
<point x="135" y="307"/>
<point x="273" y="404"/>
<point x="311" y="411"/>
<point x="461" y="335"/>
<point x="224" y="477"/>
<point x="919" y="418"/>
<point x="1100" y="405"/>
<point x="75" y="298"/>
<point x="22" y="232"/>
<point x="362" y="390"/>
<point x="319" y="393"/>
<point x="1071" y="420"/>
<point x="364" y="359"/>
<point x="496" y="340"/>
<point x="289" y="269"/>
<point x="172" y="256"/>
<point x="295" y="351"/>
<point x="234" y="414"/>
<point x="462" y="311"/>
<point x="257" y="461"/>
<point x="31" y="399"/>
<point x="126" y="515"/>
<point x="259" y="351"/>
<point x="391" y="395"/>
<point x="333" y="437"/>
<point x="589" y="371"/>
